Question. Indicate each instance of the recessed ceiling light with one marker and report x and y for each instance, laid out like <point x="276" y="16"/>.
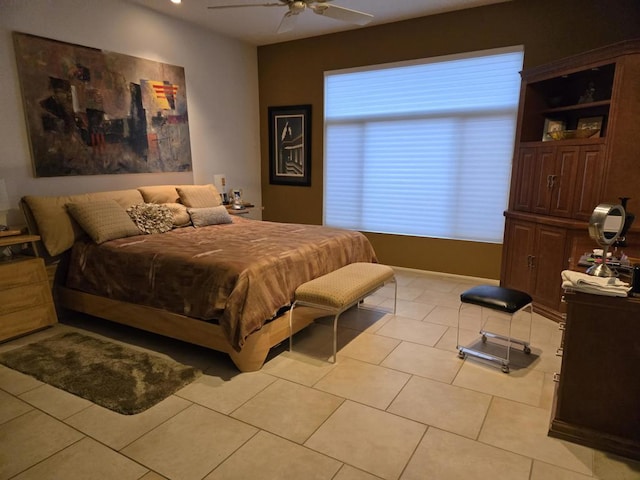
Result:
<point x="176" y="1"/>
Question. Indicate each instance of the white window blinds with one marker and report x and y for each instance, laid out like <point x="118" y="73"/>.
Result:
<point x="424" y="148"/>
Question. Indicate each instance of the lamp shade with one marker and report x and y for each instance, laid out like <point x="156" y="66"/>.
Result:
<point x="4" y="197"/>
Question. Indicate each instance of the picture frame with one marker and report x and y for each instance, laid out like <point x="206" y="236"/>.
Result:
<point x="552" y="125"/>
<point x="290" y="145"/>
<point x="591" y="123"/>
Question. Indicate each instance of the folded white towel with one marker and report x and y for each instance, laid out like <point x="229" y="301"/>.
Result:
<point x="581" y="282"/>
<point x="580" y="278"/>
<point x="612" y="292"/>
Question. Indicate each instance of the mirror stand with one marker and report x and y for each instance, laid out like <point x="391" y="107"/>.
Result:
<point x="605" y="226"/>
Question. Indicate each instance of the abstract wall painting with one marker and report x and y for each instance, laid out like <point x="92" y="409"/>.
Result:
<point x="94" y="112"/>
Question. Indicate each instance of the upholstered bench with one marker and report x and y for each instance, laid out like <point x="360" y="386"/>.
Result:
<point x="499" y="299"/>
<point x="340" y="290"/>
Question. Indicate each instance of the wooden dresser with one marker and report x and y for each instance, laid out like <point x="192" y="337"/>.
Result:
<point x="597" y="401"/>
<point x="26" y="303"/>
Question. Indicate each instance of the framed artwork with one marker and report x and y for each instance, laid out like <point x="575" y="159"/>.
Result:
<point x="290" y="145"/>
<point x="591" y="123"/>
<point x="94" y="112"/>
<point x="551" y="125"/>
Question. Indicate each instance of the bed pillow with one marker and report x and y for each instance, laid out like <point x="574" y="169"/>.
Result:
<point x="103" y="220"/>
<point x="159" y="194"/>
<point x="151" y="217"/>
<point x="199" y="196"/>
<point x="201" y="217"/>
<point x="180" y="214"/>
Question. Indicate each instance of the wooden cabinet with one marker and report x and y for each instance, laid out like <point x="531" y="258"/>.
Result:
<point x="598" y="393"/>
<point x="535" y="258"/>
<point x="26" y="303"/>
<point x="556" y="184"/>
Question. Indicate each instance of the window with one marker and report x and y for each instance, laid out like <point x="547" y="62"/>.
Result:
<point x="423" y="148"/>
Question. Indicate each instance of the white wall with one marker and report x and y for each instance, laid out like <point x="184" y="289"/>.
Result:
<point x="222" y="93"/>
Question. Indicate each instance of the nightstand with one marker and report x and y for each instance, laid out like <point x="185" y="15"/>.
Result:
<point x="26" y="304"/>
<point x="239" y="211"/>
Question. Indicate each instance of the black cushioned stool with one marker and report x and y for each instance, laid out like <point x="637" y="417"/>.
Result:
<point x="498" y="299"/>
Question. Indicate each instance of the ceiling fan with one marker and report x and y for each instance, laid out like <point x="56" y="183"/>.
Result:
<point x="321" y="7"/>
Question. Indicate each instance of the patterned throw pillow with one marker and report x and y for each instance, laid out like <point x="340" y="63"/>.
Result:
<point x="151" y="217"/>
<point x="201" y="217"/>
<point x="199" y="196"/>
<point x="103" y="220"/>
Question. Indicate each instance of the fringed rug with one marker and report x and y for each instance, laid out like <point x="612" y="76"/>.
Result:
<point x="121" y="379"/>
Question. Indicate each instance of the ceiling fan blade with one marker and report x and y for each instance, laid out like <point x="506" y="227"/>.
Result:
<point x="281" y="4"/>
<point x="341" y="13"/>
<point x="288" y="22"/>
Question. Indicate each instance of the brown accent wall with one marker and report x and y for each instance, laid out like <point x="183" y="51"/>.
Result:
<point x="292" y="73"/>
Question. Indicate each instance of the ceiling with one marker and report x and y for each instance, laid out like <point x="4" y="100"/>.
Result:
<point x="258" y="25"/>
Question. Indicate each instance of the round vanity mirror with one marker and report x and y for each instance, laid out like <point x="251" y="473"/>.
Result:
<point x="605" y="226"/>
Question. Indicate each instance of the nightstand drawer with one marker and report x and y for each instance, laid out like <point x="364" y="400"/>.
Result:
<point x="26" y="321"/>
<point x="25" y="296"/>
<point x="22" y="272"/>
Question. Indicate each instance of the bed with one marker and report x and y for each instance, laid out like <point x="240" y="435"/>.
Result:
<point x="195" y="274"/>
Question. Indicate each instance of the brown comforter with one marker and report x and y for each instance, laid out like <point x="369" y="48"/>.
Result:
<point x="240" y="274"/>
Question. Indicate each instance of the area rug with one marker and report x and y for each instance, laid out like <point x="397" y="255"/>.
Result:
<point x="121" y="379"/>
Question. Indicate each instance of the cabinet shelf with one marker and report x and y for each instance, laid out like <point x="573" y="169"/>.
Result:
<point x="572" y="141"/>
<point x="578" y="106"/>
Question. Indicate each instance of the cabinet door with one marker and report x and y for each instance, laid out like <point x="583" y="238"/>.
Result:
<point x="563" y="181"/>
<point x="519" y="255"/>
<point x="524" y="171"/>
<point x="589" y="179"/>
<point x="550" y="258"/>
<point x="545" y="168"/>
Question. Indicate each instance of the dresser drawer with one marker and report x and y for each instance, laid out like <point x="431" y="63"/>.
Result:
<point x="25" y="296"/>
<point x="25" y="321"/>
<point x="22" y="272"/>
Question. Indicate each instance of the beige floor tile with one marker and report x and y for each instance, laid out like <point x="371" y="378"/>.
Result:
<point x="409" y="293"/>
<point x="298" y="368"/>
<point x="434" y="284"/>
<point x="365" y="383"/>
<point x="607" y="466"/>
<point x="412" y="330"/>
<point x="368" y="319"/>
<point x="424" y="361"/>
<point x="369" y="348"/>
<point x="371" y="440"/>
<point x="347" y="472"/>
<point x="442" y="299"/>
<point x="523" y="429"/>
<point x="30" y="438"/>
<point x="445" y="456"/>
<point x="544" y="471"/>
<point x="449" y="340"/>
<point x="11" y="407"/>
<point x="444" y="406"/>
<point x="524" y="385"/>
<point x="152" y="476"/>
<point x="225" y="394"/>
<point x="548" y="392"/>
<point x="317" y="339"/>
<point x="267" y="457"/>
<point x="55" y="402"/>
<point x="82" y="460"/>
<point x="414" y="310"/>
<point x="545" y="356"/>
<point x="116" y="430"/>
<point x="289" y="410"/>
<point x="15" y="382"/>
<point x="448" y="316"/>
<point x="191" y="444"/>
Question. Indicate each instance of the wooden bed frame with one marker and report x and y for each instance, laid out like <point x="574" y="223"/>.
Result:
<point x="191" y="330"/>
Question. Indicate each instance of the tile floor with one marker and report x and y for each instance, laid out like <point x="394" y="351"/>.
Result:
<point x="399" y="404"/>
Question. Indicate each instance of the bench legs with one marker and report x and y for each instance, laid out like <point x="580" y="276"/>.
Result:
<point x="336" y="314"/>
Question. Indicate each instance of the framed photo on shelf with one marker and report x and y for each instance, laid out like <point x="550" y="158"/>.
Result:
<point x="552" y="125"/>
<point x="290" y="145"/>
<point x="591" y="123"/>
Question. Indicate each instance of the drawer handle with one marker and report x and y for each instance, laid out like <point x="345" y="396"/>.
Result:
<point x="556" y="377"/>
